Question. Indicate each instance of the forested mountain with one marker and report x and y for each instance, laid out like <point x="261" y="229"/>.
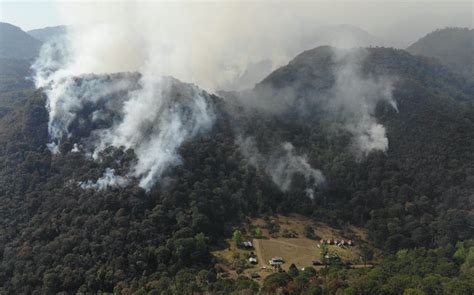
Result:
<point x="429" y="156"/>
<point x="454" y="47"/>
<point x="17" y="51"/>
<point x="411" y="190"/>
<point x="46" y="34"/>
<point x="15" y="43"/>
<point x="15" y="87"/>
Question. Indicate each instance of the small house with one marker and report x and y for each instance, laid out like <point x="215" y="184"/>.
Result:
<point x="276" y="261"/>
<point x="248" y="244"/>
<point x="317" y="262"/>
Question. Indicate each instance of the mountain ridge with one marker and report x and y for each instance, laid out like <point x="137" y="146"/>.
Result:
<point x="15" y="43"/>
<point x="454" y="47"/>
<point x="47" y="33"/>
<point x="414" y="194"/>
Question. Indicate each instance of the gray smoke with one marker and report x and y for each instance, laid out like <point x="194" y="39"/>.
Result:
<point x="353" y="99"/>
<point x="224" y="45"/>
<point x="153" y="115"/>
<point x="346" y="98"/>
<point x="155" y="125"/>
<point x="108" y="179"/>
<point x="281" y="164"/>
<point x="194" y="44"/>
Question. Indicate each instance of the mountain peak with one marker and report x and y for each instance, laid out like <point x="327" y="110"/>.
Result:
<point x="15" y="43"/>
<point x="453" y="46"/>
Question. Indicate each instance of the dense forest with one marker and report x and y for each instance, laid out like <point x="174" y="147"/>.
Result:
<point x="415" y="199"/>
<point x="452" y="46"/>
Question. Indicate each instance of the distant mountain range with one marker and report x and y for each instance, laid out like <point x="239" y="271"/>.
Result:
<point x="15" y="43"/>
<point x="46" y="34"/>
<point x="341" y="36"/>
<point x="454" y="47"/>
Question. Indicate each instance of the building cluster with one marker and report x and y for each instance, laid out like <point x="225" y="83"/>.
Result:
<point x="336" y="242"/>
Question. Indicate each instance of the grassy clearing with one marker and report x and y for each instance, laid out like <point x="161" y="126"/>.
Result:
<point x="285" y="236"/>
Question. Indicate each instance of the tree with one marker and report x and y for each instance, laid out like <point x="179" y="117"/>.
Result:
<point x="366" y="254"/>
<point x="470" y="257"/>
<point x="324" y="253"/>
<point x="308" y="231"/>
<point x="293" y="270"/>
<point x="51" y="283"/>
<point x="237" y="237"/>
<point x="431" y="284"/>
<point x="413" y="291"/>
<point x="275" y="280"/>
<point x="258" y="232"/>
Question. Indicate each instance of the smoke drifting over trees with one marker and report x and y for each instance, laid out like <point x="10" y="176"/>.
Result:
<point x="353" y="99"/>
<point x="154" y="115"/>
<point x="150" y="115"/>
<point x="123" y="173"/>
<point x="282" y="164"/>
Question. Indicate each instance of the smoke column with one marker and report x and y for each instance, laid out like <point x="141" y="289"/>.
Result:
<point x="281" y="165"/>
<point x="353" y="99"/>
<point x="154" y="117"/>
<point x="210" y="45"/>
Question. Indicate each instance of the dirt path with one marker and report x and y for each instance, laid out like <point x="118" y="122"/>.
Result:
<point x="256" y="245"/>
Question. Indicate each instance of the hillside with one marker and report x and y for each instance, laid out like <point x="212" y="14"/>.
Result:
<point x="428" y="134"/>
<point x="15" y="43"/>
<point x="454" y="47"/>
<point x="343" y="36"/>
<point x="46" y="34"/>
<point x="15" y="87"/>
<point x="413" y="193"/>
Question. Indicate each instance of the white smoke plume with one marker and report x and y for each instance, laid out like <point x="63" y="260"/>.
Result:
<point x="155" y="125"/>
<point x="353" y="99"/>
<point x="341" y="94"/>
<point x="153" y="115"/>
<point x="282" y="164"/>
<point x="211" y="45"/>
<point x="108" y="179"/>
<point x="218" y="45"/>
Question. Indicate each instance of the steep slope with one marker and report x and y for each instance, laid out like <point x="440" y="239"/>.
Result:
<point x="17" y="52"/>
<point x="58" y="237"/>
<point x="15" y="43"/>
<point x="13" y="74"/>
<point x="430" y="137"/>
<point x="46" y="34"/>
<point x="15" y="87"/>
<point x="454" y="47"/>
<point x="129" y="225"/>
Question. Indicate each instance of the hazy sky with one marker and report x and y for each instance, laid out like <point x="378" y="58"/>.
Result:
<point x="401" y="21"/>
